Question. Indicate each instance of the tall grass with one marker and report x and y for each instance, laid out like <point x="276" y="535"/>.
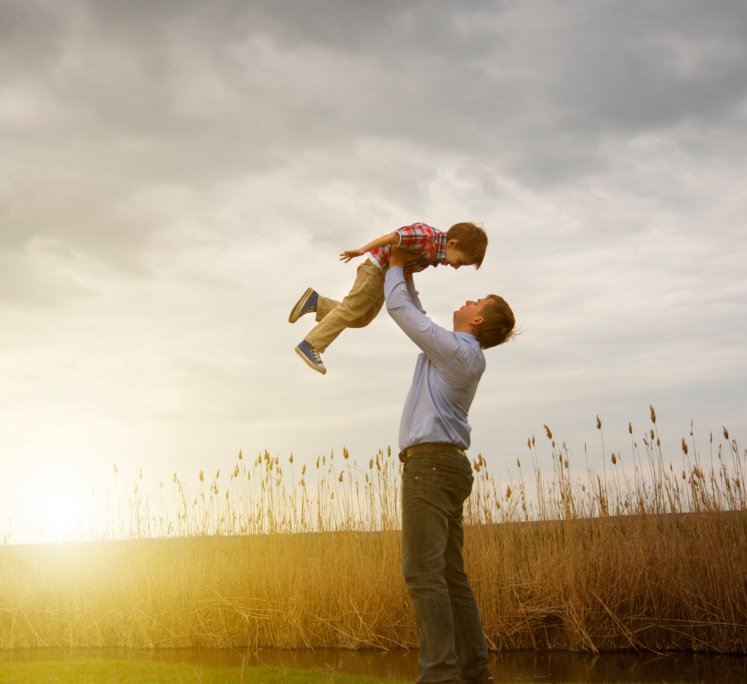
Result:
<point x="644" y="555"/>
<point x="264" y="496"/>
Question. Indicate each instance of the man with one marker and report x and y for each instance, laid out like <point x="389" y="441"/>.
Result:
<point x="437" y="475"/>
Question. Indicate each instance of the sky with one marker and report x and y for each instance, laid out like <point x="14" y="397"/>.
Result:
<point x="175" y="174"/>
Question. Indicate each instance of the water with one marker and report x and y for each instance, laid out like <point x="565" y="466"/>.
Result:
<point x="512" y="666"/>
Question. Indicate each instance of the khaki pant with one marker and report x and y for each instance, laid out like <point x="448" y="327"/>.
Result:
<point x="356" y="310"/>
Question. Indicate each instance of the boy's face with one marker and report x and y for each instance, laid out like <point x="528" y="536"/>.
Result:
<point x="455" y="257"/>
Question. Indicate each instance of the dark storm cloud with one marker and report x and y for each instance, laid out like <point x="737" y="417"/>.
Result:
<point x="463" y="78"/>
<point x="537" y="85"/>
<point x="29" y="37"/>
<point x="114" y="97"/>
<point x="662" y="63"/>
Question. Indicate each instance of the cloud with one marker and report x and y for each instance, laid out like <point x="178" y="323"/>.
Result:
<point x="37" y="282"/>
<point x="175" y="174"/>
<point x="136" y="94"/>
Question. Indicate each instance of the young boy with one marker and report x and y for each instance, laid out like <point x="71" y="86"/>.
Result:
<point x="462" y="245"/>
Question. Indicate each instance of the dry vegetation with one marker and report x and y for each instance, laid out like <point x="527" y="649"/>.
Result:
<point x="650" y="556"/>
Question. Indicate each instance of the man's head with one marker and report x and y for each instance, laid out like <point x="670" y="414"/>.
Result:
<point x="465" y="245"/>
<point x="489" y="319"/>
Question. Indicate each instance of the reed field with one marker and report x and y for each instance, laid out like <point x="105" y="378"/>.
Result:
<point x="649" y="554"/>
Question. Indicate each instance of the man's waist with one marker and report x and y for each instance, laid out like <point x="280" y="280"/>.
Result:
<point x="431" y="448"/>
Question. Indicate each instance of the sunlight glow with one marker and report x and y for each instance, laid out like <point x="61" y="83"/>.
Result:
<point x="56" y="512"/>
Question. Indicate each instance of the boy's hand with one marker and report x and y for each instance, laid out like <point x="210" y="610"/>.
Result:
<point x="349" y="254"/>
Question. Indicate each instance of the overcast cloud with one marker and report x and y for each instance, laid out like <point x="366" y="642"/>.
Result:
<point x="174" y="174"/>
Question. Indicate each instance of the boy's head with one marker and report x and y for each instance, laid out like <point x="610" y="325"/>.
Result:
<point x="465" y="245"/>
<point x="497" y="324"/>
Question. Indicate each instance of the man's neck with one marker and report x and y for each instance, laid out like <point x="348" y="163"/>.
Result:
<point x="464" y="328"/>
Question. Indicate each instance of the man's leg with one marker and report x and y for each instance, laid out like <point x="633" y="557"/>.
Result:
<point x="357" y="309"/>
<point x="472" y="652"/>
<point x="427" y="506"/>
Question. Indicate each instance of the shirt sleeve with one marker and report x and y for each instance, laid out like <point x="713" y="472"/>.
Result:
<point x="413" y="237"/>
<point x="440" y="345"/>
<point x="414" y="294"/>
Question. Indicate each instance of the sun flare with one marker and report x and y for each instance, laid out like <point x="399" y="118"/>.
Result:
<point x="56" y="512"/>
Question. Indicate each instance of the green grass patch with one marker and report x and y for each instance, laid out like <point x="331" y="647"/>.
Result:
<point x="145" y="672"/>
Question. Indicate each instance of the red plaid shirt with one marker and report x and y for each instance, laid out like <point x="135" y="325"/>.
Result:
<point x="428" y="243"/>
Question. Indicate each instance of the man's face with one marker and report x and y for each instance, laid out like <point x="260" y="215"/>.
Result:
<point x="470" y="313"/>
<point x="455" y="257"/>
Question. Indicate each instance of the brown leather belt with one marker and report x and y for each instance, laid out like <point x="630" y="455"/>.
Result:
<point x="430" y="448"/>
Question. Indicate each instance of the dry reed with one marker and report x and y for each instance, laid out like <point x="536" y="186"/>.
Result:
<point x="649" y="557"/>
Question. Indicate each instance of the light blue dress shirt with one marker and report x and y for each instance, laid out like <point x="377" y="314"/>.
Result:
<point x="446" y="374"/>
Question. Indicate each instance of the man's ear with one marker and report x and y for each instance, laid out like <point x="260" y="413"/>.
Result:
<point x="452" y="243"/>
<point x="477" y="321"/>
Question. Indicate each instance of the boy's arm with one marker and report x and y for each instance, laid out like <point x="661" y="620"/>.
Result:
<point x="383" y="241"/>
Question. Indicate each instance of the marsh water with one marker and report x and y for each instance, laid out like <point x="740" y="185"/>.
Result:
<point x="512" y="666"/>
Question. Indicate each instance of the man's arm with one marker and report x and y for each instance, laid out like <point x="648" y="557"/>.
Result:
<point x="383" y="241"/>
<point x="414" y="294"/>
<point x="439" y="344"/>
<point x="403" y="256"/>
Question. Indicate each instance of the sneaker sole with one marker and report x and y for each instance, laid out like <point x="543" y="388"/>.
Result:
<point x="297" y="310"/>
<point x="309" y="363"/>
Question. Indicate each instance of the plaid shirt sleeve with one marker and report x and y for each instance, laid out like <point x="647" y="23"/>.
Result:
<point x="427" y="242"/>
<point x="417" y="238"/>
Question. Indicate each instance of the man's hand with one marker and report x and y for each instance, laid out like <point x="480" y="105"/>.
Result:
<point x="400" y="256"/>
<point x="349" y="254"/>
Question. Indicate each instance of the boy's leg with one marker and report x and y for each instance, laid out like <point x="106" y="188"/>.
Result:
<point x="323" y="306"/>
<point x="356" y="310"/>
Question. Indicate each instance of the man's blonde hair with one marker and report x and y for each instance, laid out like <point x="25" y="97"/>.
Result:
<point x="498" y="323"/>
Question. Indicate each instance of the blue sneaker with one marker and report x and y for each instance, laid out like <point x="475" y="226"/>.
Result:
<point x="311" y="356"/>
<point x="305" y="305"/>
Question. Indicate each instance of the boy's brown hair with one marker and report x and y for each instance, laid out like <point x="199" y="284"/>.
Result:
<point x="472" y="241"/>
<point x="498" y="323"/>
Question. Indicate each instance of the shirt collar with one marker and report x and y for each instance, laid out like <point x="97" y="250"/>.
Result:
<point x="469" y="337"/>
